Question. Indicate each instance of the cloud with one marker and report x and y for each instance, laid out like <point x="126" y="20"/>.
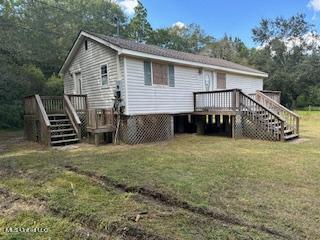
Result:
<point x="128" y="6"/>
<point x="315" y="5"/>
<point x="179" y="24"/>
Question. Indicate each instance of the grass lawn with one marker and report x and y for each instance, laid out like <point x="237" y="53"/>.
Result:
<point x="192" y="187"/>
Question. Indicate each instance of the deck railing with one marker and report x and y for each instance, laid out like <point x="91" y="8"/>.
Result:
<point x="80" y="105"/>
<point x="291" y="118"/>
<point x="53" y="104"/>
<point x="79" y="102"/>
<point x="219" y="100"/>
<point x="100" y="118"/>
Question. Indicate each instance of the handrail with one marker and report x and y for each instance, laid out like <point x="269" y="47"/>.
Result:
<point x="291" y="118"/>
<point x="42" y="110"/>
<point x="259" y="93"/>
<point x="264" y="108"/>
<point x="73" y="116"/>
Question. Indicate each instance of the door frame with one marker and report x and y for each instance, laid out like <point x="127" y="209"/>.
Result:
<point x="76" y="82"/>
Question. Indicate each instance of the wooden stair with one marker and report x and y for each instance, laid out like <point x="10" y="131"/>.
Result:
<point x="270" y="122"/>
<point x="61" y="130"/>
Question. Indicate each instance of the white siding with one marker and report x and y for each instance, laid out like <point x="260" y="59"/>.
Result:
<point x="89" y="62"/>
<point x="246" y="83"/>
<point x="144" y="99"/>
<point x="161" y="99"/>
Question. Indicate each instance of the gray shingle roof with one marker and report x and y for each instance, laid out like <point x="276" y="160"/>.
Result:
<point x="155" y="50"/>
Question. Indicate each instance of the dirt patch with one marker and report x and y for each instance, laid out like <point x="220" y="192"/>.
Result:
<point x="171" y="201"/>
<point x="12" y="204"/>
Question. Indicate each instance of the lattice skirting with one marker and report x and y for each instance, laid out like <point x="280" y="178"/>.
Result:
<point x="246" y="127"/>
<point x="146" y="128"/>
<point x="84" y="123"/>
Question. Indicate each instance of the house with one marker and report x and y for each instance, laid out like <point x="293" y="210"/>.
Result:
<point x="162" y="91"/>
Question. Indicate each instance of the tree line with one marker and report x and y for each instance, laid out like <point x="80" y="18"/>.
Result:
<point x="36" y="36"/>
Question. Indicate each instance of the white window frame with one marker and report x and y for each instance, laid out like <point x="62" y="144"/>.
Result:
<point x="108" y="73"/>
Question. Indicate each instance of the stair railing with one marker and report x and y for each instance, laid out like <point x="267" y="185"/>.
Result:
<point x="261" y="115"/>
<point x="44" y="123"/>
<point x="291" y="118"/>
<point x="73" y="116"/>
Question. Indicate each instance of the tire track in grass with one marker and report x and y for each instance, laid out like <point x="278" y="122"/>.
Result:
<point x="172" y="201"/>
<point x="88" y="228"/>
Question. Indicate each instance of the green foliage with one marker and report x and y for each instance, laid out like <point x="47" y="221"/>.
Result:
<point x="190" y="38"/>
<point x="229" y="49"/>
<point x="54" y="85"/>
<point x="139" y="28"/>
<point x="293" y="63"/>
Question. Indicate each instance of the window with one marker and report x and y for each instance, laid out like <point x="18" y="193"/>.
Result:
<point x="221" y="80"/>
<point x="171" y="75"/>
<point x="86" y="45"/>
<point x="104" y="75"/>
<point x="147" y="73"/>
<point x="160" y="73"/>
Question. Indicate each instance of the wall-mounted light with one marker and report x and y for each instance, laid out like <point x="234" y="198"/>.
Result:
<point x="200" y="70"/>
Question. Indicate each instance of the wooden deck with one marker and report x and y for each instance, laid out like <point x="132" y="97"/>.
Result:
<point x="55" y="120"/>
<point x="262" y="114"/>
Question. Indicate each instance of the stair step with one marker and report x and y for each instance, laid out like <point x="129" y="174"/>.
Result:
<point x="60" y="125"/>
<point x="62" y="130"/>
<point x="64" y="135"/>
<point x="65" y="141"/>
<point x="59" y="120"/>
<point x="290" y="137"/>
<point x="57" y="115"/>
<point x="287" y="132"/>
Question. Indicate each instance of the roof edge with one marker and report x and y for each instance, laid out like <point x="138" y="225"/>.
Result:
<point x="125" y="51"/>
<point x="133" y="53"/>
<point x="76" y="44"/>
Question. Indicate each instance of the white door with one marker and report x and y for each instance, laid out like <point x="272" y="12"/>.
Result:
<point x="78" y="83"/>
<point x="207" y="81"/>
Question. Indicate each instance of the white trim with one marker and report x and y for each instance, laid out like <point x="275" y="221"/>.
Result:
<point x="126" y="85"/>
<point x="190" y="63"/>
<point x="106" y="85"/>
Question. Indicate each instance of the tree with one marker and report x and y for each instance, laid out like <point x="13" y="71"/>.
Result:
<point x="229" y="49"/>
<point x="284" y="52"/>
<point x="139" y="28"/>
<point x="35" y="39"/>
<point x="190" y="38"/>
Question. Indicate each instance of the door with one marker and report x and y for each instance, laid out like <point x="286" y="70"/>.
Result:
<point x="78" y="83"/>
<point x="207" y="81"/>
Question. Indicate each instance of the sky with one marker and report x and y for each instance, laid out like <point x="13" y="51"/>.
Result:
<point x="219" y="17"/>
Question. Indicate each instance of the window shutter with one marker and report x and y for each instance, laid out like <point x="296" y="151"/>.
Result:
<point x="221" y="81"/>
<point x="171" y="75"/>
<point x="147" y="73"/>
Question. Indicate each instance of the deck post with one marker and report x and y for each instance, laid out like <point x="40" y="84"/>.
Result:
<point x="233" y="123"/>
<point x="194" y="102"/>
